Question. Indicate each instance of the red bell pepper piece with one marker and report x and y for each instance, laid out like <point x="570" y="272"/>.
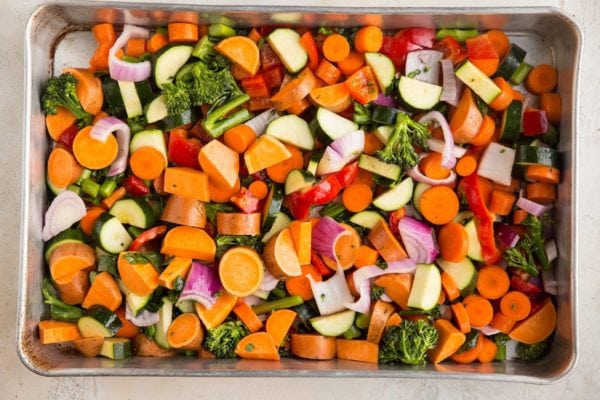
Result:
<point x="255" y="86"/>
<point x="184" y="150"/>
<point x="308" y="42"/>
<point x="394" y="218"/>
<point x="396" y="49"/>
<point x="424" y="37"/>
<point x="535" y="122"/>
<point x="520" y="284"/>
<point x="318" y="263"/>
<point x="68" y="136"/>
<point x="147" y="236"/>
<point x="245" y="201"/>
<point x="452" y="50"/>
<point x="347" y="174"/>
<point x="273" y="77"/>
<point x="362" y="85"/>
<point x="135" y="186"/>
<point x="268" y="58"/>
<point x="484" y="220"/>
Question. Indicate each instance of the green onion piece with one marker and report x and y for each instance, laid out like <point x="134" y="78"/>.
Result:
<point x="75" y="189"/>
<point x="221" y="30"/>
<point x="90" y="188"/>
<point x="286" y="302"/>
<point x="84" y="175"/>
<point x="352" y="333"/>
<point x="134" y="231"/>
<point x="459" y="34"/>
<point x="107" y="188"/>
<point x="521" y="73"/>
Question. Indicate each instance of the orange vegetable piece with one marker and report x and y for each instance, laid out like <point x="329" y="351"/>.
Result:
<point x="379" y="317"/>
<point x="365" y="255"/>
<point x="58" y="332"/>
<point x="140" y="278"/>
<point x="352" y="63"/>
<point x="245" y="313"/>
<point x="265" y="152"/>
<point x="69" y="258"/>
<point x="259" y="189"/>
<point x="56" y="124"/>
<point x="542" y="79"/>
<point x="182" y="210"/>
<point x="336" y="97"/>
<point x="499" y="40"/>
<point x="335" y="47"/>
<point x="449" y="286"/>
<point x="279" y="323"/>
<point x="301" y="232"/>
<point x="397" y="287"/>
<point x="542" y="173"/>
<point x="515" y="305"/>
<point x="479" y="310"/>
<point x="537" y="327"/>
<point x="362" y="85"/>
<point x="541" y="192"/>
<point x="357" y="350"/>
<point x="357" y="197"/>
<point x="222" y="195"/>
<point x="453" y="241"/>
<point x="215" y="315"/>
<point x="313" y="347"/>
<point x="183" y="32"/>
<point x="552" y="104"/>
<point x="503" y="100"/>
<point x="431" y="166"/>
<point x="449" y="341"/>
<point x="135" y="47"/>
<point x="492" y="282"/>
<point x="368" y="38"/>
<point x="488" y="351"/>
<point x="328" y="72"/>
<point x="279" y="172"/>
<point x="63" y="170"/>
<point x="89" y="89"/>
<point x="466" y="119"/>
<point x="103" y="292"/>
<point x="502" y="322"/>
<point x="156" y="42"/>
<point x="178" y="267"/>
<point x="185" y="332"/>
<point x="241" y="271"/>
<point x="220" y="163"/>
<point x="439" y="205"/>
<point x="461" y="317"/>
<point x="147" y="163"/>
<point x="384" y="241"/>
<point x="242" y="51"/>
<point x="187" y="182"/>
<point x="470" y="355"/>
<point x="501" y="202"/>
<point x="128" y="330"/>
<point x="300" y="285"/>
<point x="189" y="242"/>
<point x="239" y="138"/>
<point x="92" y="153"/>
<point x="258" y="346"/>
<point x="296" y="90"/>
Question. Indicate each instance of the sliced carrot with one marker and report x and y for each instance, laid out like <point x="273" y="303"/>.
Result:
<point x="541" y="192"/>
<point x="397" y="287"/>
<point x="259" y="189"/>
<point x="519" y="216"/>
<point x="184" y="211"/>
<point x="104" y="292"/>
<point x="238" y="223"/>
<point x="439" y="205"/>
<point x="328" y="72"/>
<point x="185" y="332"/>
<point x="189" y="242"/>
<point x="514" y="187"/>
<point x="492" y="282"/>
<point x="372" y="144"/>
<point x="187" y="182"/>
<point x="470" y="355"/>
<point x="301" y="232"/>
<point x="552" y="104"/>
<point x="141" y="278"/>
<point x="128" y="330"/>
<point x="147" y="163"/>
<point x="335" y="98"/>
<point x="265" y="152"/>
<point x="466" y="119"/>
<point x="117" y="195"/>
<point x="503" y="100"/>
<point x="73" y="288"/>
<point x="485" y="188"/>
<point x="220" y="163"/>
<point x="69" y="258"/>
<point x="365" y="255"/>
<point x="92" y="153"/>
<point x="178" y="268"/>
<point x="254" y="35"/>
<point x="394" y="320"/>
<point x="461" y="317"/>
<point x="357" y="350"/>
<point x="245" y="313"/>
<point x="182" y="32"/>
<point x="58" y="331"/>
<point x="296" y="90"/>
<point x="379" y="317"/>
<point x="466" y="165"/>
<point x="502" y="322"/>
<point x="362" y="85"/>
<point x="258" y="346"/>
<point x="484" y="135"/>
<point x="352" y="63"/>
<point x="449" y="341"/>
<point x="89" y="89"/>
<point x="242" y="51"/>
<point x="239" y="138"/>
<point x="488" y="351"/>
<point x="313" y="347"/>
<point x="479" y="310"/>
<point x="241" y="270"/>
<point x="384" y="241"/>
<point x="542" y="79"/>
<point x="300" y="285"/>
<point x="431" y="166"/>
<point x="299" y="107"/>
<point x="214" y="316"/>
<point x="63" y="170"/>
<point x="518" y="95"/>
<point x="279" y="323"/>
<point x="222" y="195"/>
<point x="156" y="42"/>
<point x="56" y="124"/>
<point x="135" y="47"/>
<point x="99" y="60"/>
<point x="499" y="40"/>
<point x="335" y="47"/>
<point x="450" y="287"/>
<point x="368" y="39"/>
<point x="501" y="202"/>
<point x="542" y="173"/>
<point x="536" y="327"/>
<point x="279" y="172"/>
<point x="104" y="33"/>
<point x="357" y="197"/>
<point x="515" y="305"/>
<point x="308" y="42"/>
<point x="365" y="176"/>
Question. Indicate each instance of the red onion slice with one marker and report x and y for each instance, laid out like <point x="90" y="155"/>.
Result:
<point x="419" y="240"/>
<point x="451" y="87"/>
<point x="532" y="207"/>
<point x="406" y="266"/>
<point x="506" y="235"/>
<point x="385" y="100"/>
<point x="330" y="162"/>
<point x="342" y="151"/>
<point x="66" y="209"/>
<point x="486" y="330"/>
<point x="260" y="122"/>
<point x="363" y="304"/>
<point x="418" y="176"/>
<point x="145" y="318"/>
<point x="438" y="146"/>
<point x="202" y="285"/>
<point x="448" y="158"/>
<point x="325" y="235"/>
<point x="268" y="283"/>
<point x="102" y="129"/>
<point x="124" y="71"/>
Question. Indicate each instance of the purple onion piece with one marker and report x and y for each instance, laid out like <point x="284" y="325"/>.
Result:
<point x="202" y="285"/>
<point x="325" y="235"/>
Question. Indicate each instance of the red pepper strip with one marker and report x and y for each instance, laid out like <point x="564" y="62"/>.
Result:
<point x="420" y="36"/>
<point x="483" y="219"/>
<point x="535" y="122"/>
<point x="347" y="174"/>
<point x="245" y="201"/>
<point x="68" y="136"/>
<point x="452" y="50"/>
<point x="318" y="263"/>
<point x="183" y="151"/>
<point x="147" y="236"/>
<point x="308" y="42"/>
<point x="135" y="186"/>
<point x="518" y="283"/>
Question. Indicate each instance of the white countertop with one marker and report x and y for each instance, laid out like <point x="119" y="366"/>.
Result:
<point x="16" y="382"/>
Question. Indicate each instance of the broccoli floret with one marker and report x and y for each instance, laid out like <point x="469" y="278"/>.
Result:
<point x="217" y="121"/>
<point x="376" y="292"/>
<point x="530" y="248"/>
<point x="177" y="97"/>
<point x="536" y="235"/>
<point x="58" y="310"/>
<point x="61" y="91"/>
<point x="400" y="146"/>
<point x="532" y="352"/>
<point x="211" y="85"/>
<point x="222" y="340"/>
<point x="408" y="343"/>
<point x="205" y="51"/>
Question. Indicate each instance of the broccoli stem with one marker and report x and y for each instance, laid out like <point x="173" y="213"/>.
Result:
<point x="216" y="123"/>
<point x="286" y="302"/>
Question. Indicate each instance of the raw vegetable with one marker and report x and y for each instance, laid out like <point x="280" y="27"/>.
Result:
<point x="62" y="92"/>
<point x="532" y="352"/>
<point x="222" y="340"/>
<point x="408" y="343"/>
<point x="399" y="148"/>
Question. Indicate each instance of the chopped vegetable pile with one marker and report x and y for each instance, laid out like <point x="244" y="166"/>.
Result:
<point x="376" y="196"/>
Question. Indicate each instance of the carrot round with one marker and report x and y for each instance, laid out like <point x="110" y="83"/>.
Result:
<point x="461" y="317"/>
<point x="300" y="285"/>
<point x="279" y="323"/>
<point x="479" y="309"/>
<point x="439" y="205"/>
<point x="500" y="41"/>
<point x="492" y="282"/>
<point x="241" y="271"/>
<point x="485" y="133"/>
<point x="502" y="322"/>
<point x="104" y="33"/>
<point x="345" y="248"/>
<point x="515" y="305"/>
<point x="470" y="355"/>
<point x="453" y="241"/>
<point x="92" y="153"/>
<point x="552" y="104"/>
<point x="357" y="197"/>
<point x="501" y="202"/>
<point x="258" y="346"/>
<point x="466" y="119"/>
<point x="466" y="165"/>
<point x="240" y="50"/>
<point x="104" y="292"/>
<point x="431" y="166"/>
<point x="239" y="138"/>
<point x="488" y="350"/>
<point x="541" y="192"/>
<point x="63" y="169"/>
<point x="519" y="216"/>
<point x="336" y="47"/>
<point x="352" y="63"/>
<point x="313" y="347"/>
<point x="245" y="313"/>
<point x="156" y="42"/>
<point x="368" y="38"/>
<point x="259" y="189"/>
<point x="328" y="72"/>
<point x="185" y="332"/>
<point x="135" y="47"/>
<point x="279" y="172"/>
<point x="542" y="79"/>
<point x="335" y="98"/>
<point x="365" y="255"/>
<point x="99" y="60"/>
<point x="502" y="101"/>
<point x="182" y="32"/>
<point x="147" y="163"/>
<point x="542" y="173"/>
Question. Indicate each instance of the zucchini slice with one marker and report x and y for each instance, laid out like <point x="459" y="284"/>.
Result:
<point x="280" y="222"/>
<point x="116" y="348"/>
<point x="99" y="321"/>
<point x="293" y="130"/>
<point x="176" y="120"/>
<point x="286" y="43"/>
<point x="110" y="234"/>
<point x="383" y="69"/>
<point x="366" y="219"/>
<point x="168" y="61"/>
<point x="511" y="61"/>
<point x="297" y="180"/>
<point x="272" y="206"/>
<point x="156" y="110"/>
<point x="474" y="251"/>
<point x="419" y="95"/>
<point x="510" y="127"/>
<point x="374" y="165"/>
<point x="330" y="126"/>
<point x="479" y="82"/>
<point x="165" y="314"/>
<point x="396" y="197"/>
<point x="135" y="212"/>
<point x="528" y="155"/>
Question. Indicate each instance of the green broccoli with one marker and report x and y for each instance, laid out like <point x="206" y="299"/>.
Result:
<point x="177" y="97"/>
<point x="532" y="352"/>
<point x="529" y="248"/>
<point x="210" y="85"/>
<point x="376" y="292"/>
<point x="400" y="146"/>
<point x="58" y="310"/>
<point x="61" y="91"/>
<point x="222" y="340"/>
<point x="205" y="51"/>
<point x="500" y="339"/>
<point x="536" y="235"/>
<point x="408" y="343"/>
<point x="362" y="114"/>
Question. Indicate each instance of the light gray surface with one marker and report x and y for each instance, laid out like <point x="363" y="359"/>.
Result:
<point x="17" y="382"/>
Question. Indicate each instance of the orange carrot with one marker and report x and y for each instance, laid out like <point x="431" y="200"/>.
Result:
<point x="486" y="132"/>
<point x="362" y="85"/>
<point x="69" y="258"/>
<point x="117" y="195"/>
<point x="357" y="350"/>
<point x="431" y="166"/>
<point x="466" y="165"/>
<point x="384" y="241"/>
<point x="185" y="211"/>
<point x="479" y="310"/>
<point x="552" y="104"/>
<point x="280" y="256"/>
<point x="518" y="95"/>
<point x="238" y="223"/>
<point x="335" y="98"/>
<point x="279" y="172"/>
<point x="57" y="331"/>
<point x="365" y="176"/>
<point x="258" y="346"/>
<point x="178" y="268"/>
<point x="188" y="242"/>
<point x="265" y="152"/>
<point x="239" y="138"/>
<point x="248" y="317"/>
<point x="502" y="322"/>
<point x="128" y="330"/>
<point x="492" y="282"/>
<point x="357" y="197"/>
<point x="139" y="277"/>
<point x="135" y="47"/>
<point x="466" y="119"/>
<point x="542" y="79"/>
<point x="542" y="173"/>
<point x="239" y="73"/>
<point x="73" y="288"/>
<point x="470" y="355"/>
<point x="541" y="192"/>
<point x="450" y="340"/>
<point x="352" y="63"/>
<point x="63" y="170"/>
<point x="499" y="41"/>
<point x="56" y="124"/>
<point x="147" y="163"/>
<point x="313" y="347"/>
<point x="259" y="189"/>
<point x="488" y="350"/>
<point x="308" y="42"/>
<point x="89" y="89"/>
<point x="482" y="54"/>
<point x="536" y="327"/>
<point x="299" y="107"/>
<point x="397" y="287"/>
<point x="156" y="42"/>
<point x="502" y="101"/>
<point x="182" y="32"/>
<point x="215" y="315"/>
<point x="439" y="205"/>
<point x="449" y="286"/>
<point x="300" y="285"/>
<point x="104" y="292"/>
<point x="223" y="194"/>
<point x="461" y="317"/>
<point x="92" y="153"/>
<point x="379" y="317"/>
<point x="365" y="255"/>
<point x="241" y="270"/>
<point x="514" y="187"/>
<point x="515" y="305"/>
<point x="295" y="90"/>
<point x="372" y="144"/>
<point x="368" y="38"/>
<point x="393" y="320"/>
<point x="185" y="332"/>
<point x="519" y="216"/>
<point x="254" y="35"/>
<point x="301" y="232"/>
<point x="104" y="33"/>
<point x="187" y="182"/>
<point x="279" y="323"/>
<point x="99" y="60"/>
<point x="335" y="47"/>
<point x="242" y="51"/>
<point x="328" y="72"/>
<point x="501" y="202"/>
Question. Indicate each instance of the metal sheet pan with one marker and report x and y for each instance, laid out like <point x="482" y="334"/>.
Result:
<point x="57" y="35"/>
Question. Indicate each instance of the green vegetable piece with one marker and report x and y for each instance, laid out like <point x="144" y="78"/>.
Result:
<point x="90" y="188"/>
<point x="408" y="343"/>
<point x="61" y="91"/>
<point x="400" y="146"/>
<point x="532" y="352"/>
<point x="222" y="340"/>
<point x="221" y="30"/>
<point x="287" y="302"/>
<point x="58" y="310"/>
<point x="459" y="34"/>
